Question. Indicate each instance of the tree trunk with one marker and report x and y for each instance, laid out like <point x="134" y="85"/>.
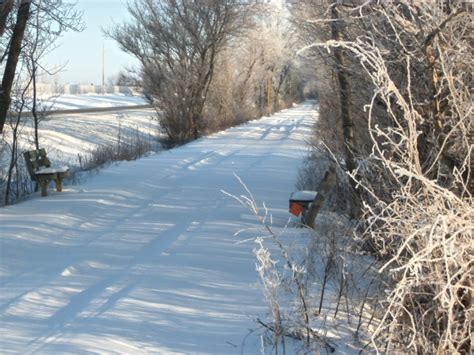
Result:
<point x="12" y="61"/>
<point x="345" y="95"/>
<point x="324" y="187"/>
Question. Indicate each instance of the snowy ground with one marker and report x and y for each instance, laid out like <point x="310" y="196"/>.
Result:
<point x="75" y="102"/>
<point x="141" y="258"/>
<point x="65" y="136"/>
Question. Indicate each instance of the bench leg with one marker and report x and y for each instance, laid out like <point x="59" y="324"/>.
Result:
<point x="59" y="184"/>
<point x="44" y="187"/>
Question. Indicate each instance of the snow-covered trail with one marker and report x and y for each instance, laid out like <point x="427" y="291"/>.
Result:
<point x="142" y="257"/>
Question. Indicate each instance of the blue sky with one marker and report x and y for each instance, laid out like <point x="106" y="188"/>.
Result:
<point x="81" y="52"/>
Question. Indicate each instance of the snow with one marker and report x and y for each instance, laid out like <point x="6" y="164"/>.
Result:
<point x="53" y="170"/>
<point x="66" y="136"/>
<point x="142" y="258"/>
<point x="303" y="195"/>
<point x="84" y="101"/>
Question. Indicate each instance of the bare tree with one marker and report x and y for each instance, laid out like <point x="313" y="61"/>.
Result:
<point x="53" y="17"/>
<point x="177" y="43"/>
<point x="14" y="186"/>
<point x="13" y="55"/>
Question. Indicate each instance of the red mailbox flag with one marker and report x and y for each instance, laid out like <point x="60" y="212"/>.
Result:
<point x="296" y="209"/>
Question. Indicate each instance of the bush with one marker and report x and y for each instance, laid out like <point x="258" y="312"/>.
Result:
<point x="317" y="285"/>
<point x="410" y="65"/>
<point x="419" y="209"/>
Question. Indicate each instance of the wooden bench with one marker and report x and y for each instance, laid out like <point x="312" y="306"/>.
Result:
<point x="40" y="170"/>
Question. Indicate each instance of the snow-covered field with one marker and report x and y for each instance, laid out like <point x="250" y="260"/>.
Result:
<point x="84" y="101"/>
<point x="65" y="136"/>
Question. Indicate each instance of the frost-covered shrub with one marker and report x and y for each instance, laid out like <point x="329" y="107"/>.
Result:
<point x="316" y="283"/>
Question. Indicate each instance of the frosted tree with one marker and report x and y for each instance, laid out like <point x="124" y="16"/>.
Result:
<point x="177" y="44"/>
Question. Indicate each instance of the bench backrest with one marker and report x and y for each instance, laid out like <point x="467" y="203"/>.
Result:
<point x="35" y="160"/>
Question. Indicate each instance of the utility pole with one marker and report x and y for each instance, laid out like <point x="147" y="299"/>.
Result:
<point x="103" y="69"/>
